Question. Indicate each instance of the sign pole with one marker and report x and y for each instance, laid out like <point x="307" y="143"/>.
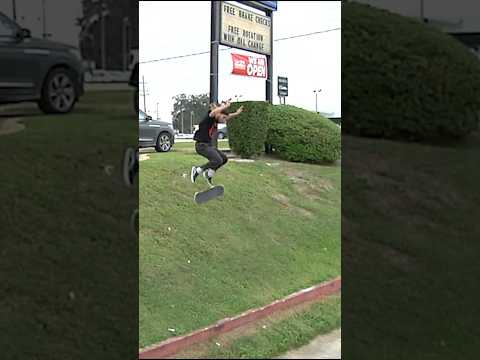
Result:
<point x="214" y="45"/>
<point x="269" y="84"/>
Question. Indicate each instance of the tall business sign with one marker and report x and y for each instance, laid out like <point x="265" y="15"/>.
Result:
<point x="244" y="29"/>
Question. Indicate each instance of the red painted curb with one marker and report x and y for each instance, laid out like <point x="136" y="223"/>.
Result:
<point x="174" y="345"/>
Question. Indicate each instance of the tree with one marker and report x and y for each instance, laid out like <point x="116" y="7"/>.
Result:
<point x="194" y="109"/>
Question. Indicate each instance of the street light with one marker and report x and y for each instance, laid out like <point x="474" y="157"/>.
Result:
<point x="14" y="10"/>
<point x="316" y="99"/>
<point x="422" y="11"/>
<point x="183" y="109"/>
<point x="191" y="121"/>
<point x="104" y="12"/>
<point x="237" y="97"/>
<point x="125" y="28"/>
<point x="44" y="25"/>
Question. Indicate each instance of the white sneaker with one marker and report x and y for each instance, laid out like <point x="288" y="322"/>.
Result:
<point x="208" y="176"/>
<point x="194" y="174"/>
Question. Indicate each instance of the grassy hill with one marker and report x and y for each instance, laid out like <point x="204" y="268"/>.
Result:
<point x="275" y="231"/>
<point x="410" y="246"/>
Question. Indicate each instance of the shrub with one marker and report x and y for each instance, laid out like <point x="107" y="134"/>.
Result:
<point x="300" y="135"/>
<point x="404" y="79"/>
<point x="247" y="132"/>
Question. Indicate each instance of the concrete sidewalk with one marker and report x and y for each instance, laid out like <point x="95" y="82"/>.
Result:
<point x="327" y="346"/>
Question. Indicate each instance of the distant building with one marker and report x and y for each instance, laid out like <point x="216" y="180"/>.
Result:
<point x="109" y="33"/>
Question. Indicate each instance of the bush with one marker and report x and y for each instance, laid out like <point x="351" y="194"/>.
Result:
<point x="300" y="135"/>
<point x="247" y="132"/>
<point x="404" y="79"/>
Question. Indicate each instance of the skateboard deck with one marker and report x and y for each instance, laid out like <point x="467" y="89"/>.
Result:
<point x="204" y="196"/>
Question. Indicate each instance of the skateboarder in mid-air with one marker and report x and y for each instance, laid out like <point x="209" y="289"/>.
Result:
<point x="204" y="142"/>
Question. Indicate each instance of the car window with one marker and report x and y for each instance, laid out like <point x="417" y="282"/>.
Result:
<point x="7" y="28"/>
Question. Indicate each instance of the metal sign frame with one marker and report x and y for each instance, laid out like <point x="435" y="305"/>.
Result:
<point x="262" y="5"/>
<point x="215" y="16"/>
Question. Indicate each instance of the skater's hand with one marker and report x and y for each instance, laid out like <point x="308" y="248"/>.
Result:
<point x="227" y="103"/>
<point x="240" y="109"/>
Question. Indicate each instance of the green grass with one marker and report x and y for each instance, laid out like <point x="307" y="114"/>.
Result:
<point x="66" y="241"/>
<point x="275" y="231"/>
<point x="410" y="234"/>
<point x="273" y="337"/>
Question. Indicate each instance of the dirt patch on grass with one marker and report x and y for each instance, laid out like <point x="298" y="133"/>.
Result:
<point x="285" y="202"/>
<point x="308" y="187"/>
<point x="11" y="126"/>
<point x="355" y="247"/>
<point x="144" y="157"/>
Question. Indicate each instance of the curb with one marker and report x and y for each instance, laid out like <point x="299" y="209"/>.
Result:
<point x="174" y="345"/>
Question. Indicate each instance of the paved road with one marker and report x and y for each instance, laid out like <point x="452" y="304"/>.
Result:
<point x="323" y="347"/>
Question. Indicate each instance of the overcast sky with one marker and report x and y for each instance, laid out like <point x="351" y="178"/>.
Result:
<point x="177" y="28"/>
<point x="60" y="17"/>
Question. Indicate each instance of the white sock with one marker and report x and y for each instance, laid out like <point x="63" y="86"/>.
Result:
<point x="199" y="170"/>
<point x="210" y="172"/>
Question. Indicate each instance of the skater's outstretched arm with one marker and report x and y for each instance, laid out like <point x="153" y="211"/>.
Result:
<point x="232" y="115"/>
<point x="216" y="111"/>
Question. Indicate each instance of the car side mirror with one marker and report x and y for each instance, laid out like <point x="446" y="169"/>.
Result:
<point x="26" y="33"/>
<point x="23" y="34"/>
<point x="148" y="118"/>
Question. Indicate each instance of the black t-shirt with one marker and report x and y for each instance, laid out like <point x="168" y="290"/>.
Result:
<point x="206" y="129"/>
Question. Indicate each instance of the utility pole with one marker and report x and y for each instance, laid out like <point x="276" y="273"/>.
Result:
<point x="157" y="110"/>
<point x="191" y="121"/>
<point x="182" y="119"/>
<point x="44" y="25"/>
<point x="14" y="10"/>
<point x="422" y="10"/>
<point x="144" y="95"/>
<point x="316" y="99"/>
<point x="103" y="14"/>
<point x="125" y="27"/>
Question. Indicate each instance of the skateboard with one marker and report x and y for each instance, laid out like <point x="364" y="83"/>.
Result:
<point x="204" y="196"/>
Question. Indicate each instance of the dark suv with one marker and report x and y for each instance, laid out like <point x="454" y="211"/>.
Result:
<point x="38" y="70"/>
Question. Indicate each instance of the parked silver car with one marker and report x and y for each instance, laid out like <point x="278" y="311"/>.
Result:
<point x="38" y="70"/>
<point x="222" y="132"/>
<point x="158" y="134"/>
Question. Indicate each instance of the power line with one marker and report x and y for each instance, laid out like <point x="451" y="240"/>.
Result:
<point x="228" y="48"/>
<point x="309" y="34"/>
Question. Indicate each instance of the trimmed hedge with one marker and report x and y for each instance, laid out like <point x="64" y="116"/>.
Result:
<point x="304" y="136"/>
<point x="247" y="132"/>
<point x="404" y="79"/>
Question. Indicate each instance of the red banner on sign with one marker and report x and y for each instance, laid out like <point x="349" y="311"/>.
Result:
<point x="246" y="65"/>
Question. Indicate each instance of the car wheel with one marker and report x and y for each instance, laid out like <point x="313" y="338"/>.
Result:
<point x="59" y="92"/>
<point x="221" y="135"/>
<point x="164" y="142"/>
